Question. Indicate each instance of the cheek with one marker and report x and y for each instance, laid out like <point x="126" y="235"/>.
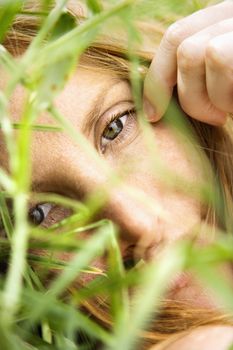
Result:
<point x="173" y="155"/>
<point x="178" y="155"/>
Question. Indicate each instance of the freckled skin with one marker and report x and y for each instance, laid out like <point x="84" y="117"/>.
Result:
<point x="157" y="213"/>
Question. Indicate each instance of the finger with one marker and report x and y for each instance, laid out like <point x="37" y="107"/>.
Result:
<point x="191" y="75"/>
<point x="219" y="72"/>
<point x="162" y="74"/>
<point x="194" y="99"/>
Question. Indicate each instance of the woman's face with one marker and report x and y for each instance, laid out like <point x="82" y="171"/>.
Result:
<point x="100" y="106"/>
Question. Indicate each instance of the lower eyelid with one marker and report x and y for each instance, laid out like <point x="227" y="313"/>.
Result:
<point x="56" y="215"/>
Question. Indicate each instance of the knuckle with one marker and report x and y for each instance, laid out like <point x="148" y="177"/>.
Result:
<point x="216" y="55"/>
<point x="188" y="55"/>
<point x="223" y="104"/>
<point x="200" y="108"/>
<point x="174" y="34"/>
<point x="227" y="4"/>
<point x="186" y="105"/>
<point x="186" y="108"/>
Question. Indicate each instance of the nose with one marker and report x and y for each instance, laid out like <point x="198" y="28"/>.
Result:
<point x="140" y="227"/>
<point x="139" y="224"/>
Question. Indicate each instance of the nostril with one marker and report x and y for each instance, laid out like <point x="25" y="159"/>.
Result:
<point x="3" y="267"/>
<point x="128" y="255"/>
<point x="147" y="250"/>
<point x="5" y="253"/>
<point x="129" y="263"/>
<point x="133" y="257"/>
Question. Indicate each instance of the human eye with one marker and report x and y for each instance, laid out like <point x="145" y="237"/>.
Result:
<point x="38" y="213"/>
<point x="118" y="128"/>
<point x="47" y="214"/>
<point x="44" y="214"/>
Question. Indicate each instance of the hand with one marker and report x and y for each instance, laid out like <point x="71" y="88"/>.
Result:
<point x="196" y="53"/>
<point x="208" y="337"/>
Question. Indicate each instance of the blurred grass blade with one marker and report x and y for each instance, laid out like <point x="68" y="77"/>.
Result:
<point x="92" y="248"/>
<point x="119" y="295"/>
<point x="69" y="42"/>
<point x="67" y="202"/>
<point x="52" y="80"/>
<point x="95" y="6"/>
<point x="34" y="127"/>
<point x="154" y="283"/>
<point x="210" y="265"/>
<point x="219" y="285"/>
<point x="7" y="60"/>
<point x="7" y="131"/>
<point x="21" y="171"/>
<point x="6" y="182"/>
<point x="48" y="25"/>
<point x="79" y="139"/>
<point x="46" y="332"/>
<point x="8" y="10"/>
<point x="7" y="340"/>
<point x="64" y="24"/>
<point x="5" y="216"/>
<point x="57" y="313"/>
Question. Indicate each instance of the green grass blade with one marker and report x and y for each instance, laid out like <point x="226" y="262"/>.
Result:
<point x="154" y="282"/>
<point x="8" y="10"/>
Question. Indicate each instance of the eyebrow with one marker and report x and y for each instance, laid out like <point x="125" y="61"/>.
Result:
<point x="94" y="113"/>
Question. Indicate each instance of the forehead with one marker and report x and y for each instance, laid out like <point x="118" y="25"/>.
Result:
<point x="87" y="93"/>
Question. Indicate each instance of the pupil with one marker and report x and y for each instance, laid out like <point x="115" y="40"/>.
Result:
<point x="113" y="129"/>
<point x="36" y="215"/>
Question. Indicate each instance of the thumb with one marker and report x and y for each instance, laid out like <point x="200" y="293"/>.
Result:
<point x="157" y="96"/>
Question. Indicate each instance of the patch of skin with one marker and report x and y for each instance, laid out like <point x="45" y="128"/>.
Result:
<point x="214" y="338"/>
<point x="159" y="214"/>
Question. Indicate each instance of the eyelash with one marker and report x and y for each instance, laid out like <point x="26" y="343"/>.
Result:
<point x="131" y="114"/>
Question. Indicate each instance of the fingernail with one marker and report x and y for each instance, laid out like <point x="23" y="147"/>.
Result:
<point x="149" y="110"/>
